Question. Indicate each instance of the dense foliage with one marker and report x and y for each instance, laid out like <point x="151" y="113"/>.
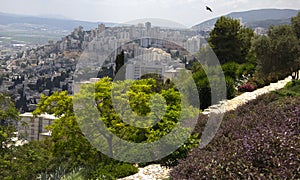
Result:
<point x="120" y="60"/>
<point x="67" y="152"/>
<point x="122" y="121"/>
<point x="296" y="25"/>
<point x="208" y="77"/>
<point x="230" y="41"/>
<point x="278" y="53"/>
<point x="259" y="140"/>
<point x="8" y="121"/>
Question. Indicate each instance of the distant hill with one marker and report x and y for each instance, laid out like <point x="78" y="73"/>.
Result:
<point x="46" y="23"/>
<point x="38" y="30"/>
<point x="255" y="18"/>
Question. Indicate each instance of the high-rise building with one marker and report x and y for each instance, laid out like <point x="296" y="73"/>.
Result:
<point x="192" y="44"/>
<point x="148" y="27"/>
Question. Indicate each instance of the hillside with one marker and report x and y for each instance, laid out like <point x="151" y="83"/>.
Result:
<point x="258" y="140"/>
<point x="43" y="22"/>
<point x="255" y="18"/>
<point x="38" y="30"/>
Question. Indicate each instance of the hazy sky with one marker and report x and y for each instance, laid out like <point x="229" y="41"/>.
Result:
<point x="186" y="12"/>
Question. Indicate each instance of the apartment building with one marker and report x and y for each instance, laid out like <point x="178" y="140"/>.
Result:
<point x="33" y="128"/>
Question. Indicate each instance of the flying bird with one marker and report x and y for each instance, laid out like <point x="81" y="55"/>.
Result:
<point x="209" y="9"/>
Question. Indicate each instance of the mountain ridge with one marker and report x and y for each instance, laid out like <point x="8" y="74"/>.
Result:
<point x="250" y="17"/>
<point x="52" y="23"/>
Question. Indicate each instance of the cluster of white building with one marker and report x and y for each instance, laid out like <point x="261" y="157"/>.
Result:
<point x="153" y="61"/>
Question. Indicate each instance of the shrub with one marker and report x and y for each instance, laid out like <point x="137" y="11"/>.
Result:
<point x="246" y="88"/>
<point x="230" y="69"/>
<point x="259" y="140"/>
<point x="113" y="171"/>
<point x="230" y="88"/>
<point x="291" y="89"/>
<point x="124" y="170"/>
<point x="259" y="82"/>
<point x="246" y="69"/>
<point x="273" y="77"/>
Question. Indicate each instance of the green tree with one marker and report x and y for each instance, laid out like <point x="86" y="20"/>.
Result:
<point x="296" y="25"/>
<point x="215" y="73"/>
<point x="9" y="118"/>
<point x="141" y="113"/>
<point x="30" y="160"/>
<point x="230" y="41"/>
<point x="203" y="86"/>
<point x="230" y="69"/>
<point x="262" y="48"/>
<point x="284" y="46"/>
<point x="71" y="149"/>
<point x="277" y="54"/>
<point x="19" y="162"/>
<point x="245" y="37"/>
<point x="120" y="61"/>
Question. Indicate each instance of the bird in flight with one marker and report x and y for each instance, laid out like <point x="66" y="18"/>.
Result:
<point x="209" y="9"/>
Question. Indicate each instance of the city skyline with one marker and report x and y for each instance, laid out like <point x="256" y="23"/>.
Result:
<point x="185" y="12"/>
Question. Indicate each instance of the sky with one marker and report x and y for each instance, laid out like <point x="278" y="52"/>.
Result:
<point x="185" y="12"/>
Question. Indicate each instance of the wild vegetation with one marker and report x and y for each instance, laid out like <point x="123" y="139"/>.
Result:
<point x="259" y="140"/>
<point x="277" y="54"/>
<point x="68" y="149"/>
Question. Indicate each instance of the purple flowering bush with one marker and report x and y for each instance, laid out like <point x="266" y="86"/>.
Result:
<point x="260" y="140"/>
<point x="246" y="88"/>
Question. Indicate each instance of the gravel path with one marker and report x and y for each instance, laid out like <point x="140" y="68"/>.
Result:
<point x="151" y="172"/>
<point x="248" y="96"/>
<point x="156" y="172"/>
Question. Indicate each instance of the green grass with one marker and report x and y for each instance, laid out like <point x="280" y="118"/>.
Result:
<point x="291" y="89"/>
